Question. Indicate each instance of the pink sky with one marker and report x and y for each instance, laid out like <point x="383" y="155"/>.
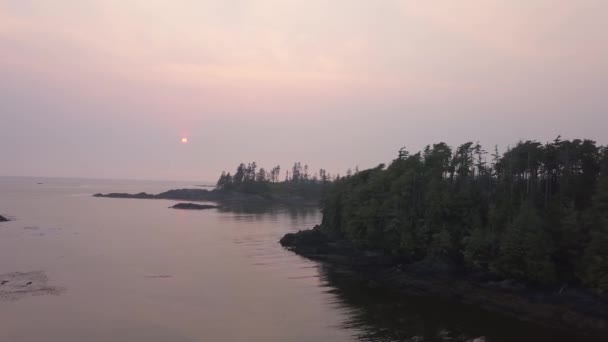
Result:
<point x="108" y="88"/>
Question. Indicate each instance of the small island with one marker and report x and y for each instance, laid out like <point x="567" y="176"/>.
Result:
<point x="300" y="187"/>
<point x="193" y="206"/>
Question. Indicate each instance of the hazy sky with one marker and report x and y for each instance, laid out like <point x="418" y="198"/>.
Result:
<point x="108" y="88"/>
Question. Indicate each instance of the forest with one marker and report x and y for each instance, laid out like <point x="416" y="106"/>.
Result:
<point x="298" y="181"/>
<point x="537" y="213"/>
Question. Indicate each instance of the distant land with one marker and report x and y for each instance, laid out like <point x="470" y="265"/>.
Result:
<point x="214" y="196"/>
<point x="248" y="184"/>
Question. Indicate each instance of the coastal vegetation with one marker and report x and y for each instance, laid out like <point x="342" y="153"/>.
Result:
<point x="537" y="213"/>
<point x="298" y="181"/>
<point x="248" y="184"/>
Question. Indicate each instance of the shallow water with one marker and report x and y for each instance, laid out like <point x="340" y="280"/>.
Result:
<point x="135" y="270"/>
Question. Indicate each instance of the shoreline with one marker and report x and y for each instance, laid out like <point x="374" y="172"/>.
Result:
<point x="203" y="195"/>
<point x="569" y="310"/>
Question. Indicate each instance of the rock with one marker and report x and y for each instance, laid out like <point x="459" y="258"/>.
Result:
<point x="430" y="266"/>
<point x="304" y="238"/>
<point x="125" y="195"/>
<point x="288" y="240"/>
<point x="444" y="336"/>
<point x="436" y="277"/>
<point x="3" y="219"/>
<point x="506" y="285"/>
<point x="193" y="206"/>
<point x="478" y="339"/>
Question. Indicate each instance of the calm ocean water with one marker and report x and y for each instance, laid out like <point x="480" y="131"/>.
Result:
<point x="134" y="270"/>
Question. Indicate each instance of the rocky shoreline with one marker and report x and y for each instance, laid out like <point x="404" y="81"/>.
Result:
<point x="215" y="196"/>
<point x="565" y="309"/>
<point x="193" y="206"/>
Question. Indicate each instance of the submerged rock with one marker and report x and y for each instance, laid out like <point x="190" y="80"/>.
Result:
<point x="193" y="206"/>
<point x="18" y="285"/>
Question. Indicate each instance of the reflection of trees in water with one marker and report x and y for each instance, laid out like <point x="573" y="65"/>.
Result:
<point x="260" y="211"/>
<point x="379" y="315"/>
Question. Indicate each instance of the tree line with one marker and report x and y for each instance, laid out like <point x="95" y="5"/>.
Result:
<point x="536" y="213"/>
<point x="299" y="180"/>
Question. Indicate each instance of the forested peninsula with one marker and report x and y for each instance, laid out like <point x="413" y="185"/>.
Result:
<point x="532" y="220"/>
<point x="299" y="186"/>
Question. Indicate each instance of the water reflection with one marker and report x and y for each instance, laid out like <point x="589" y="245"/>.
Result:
<point x="379" y="315"/>
<point x="264" y="211"/>
<point x="216" y="275"/>
<point x="374" y="314"/>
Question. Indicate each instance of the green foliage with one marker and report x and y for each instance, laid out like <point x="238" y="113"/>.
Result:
<point x="525" y="251"/>
<point x="536" y="213"/>
<point x="299" y="183"/>
<point x="596" y="260"/>
<point x="480" y="249"/>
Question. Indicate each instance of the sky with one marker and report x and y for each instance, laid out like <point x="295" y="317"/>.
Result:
<point x="108" y="88"/>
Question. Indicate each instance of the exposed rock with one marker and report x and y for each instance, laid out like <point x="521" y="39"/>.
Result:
<point x="579" y="312"/>
<point x="125" y="195"/>
<point x="3" y="219"/>
<point x="506" y="285"/>
<point x="479" y="339"/>
<point x="304" y="238"/>
<point x="193" y="206"/>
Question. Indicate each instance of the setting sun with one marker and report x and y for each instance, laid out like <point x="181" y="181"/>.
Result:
<point x="338" y="169"/>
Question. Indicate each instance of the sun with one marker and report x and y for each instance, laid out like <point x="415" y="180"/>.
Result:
<point x="184" y="140"/>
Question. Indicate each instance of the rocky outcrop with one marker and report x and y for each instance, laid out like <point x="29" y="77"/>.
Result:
<point x="304" y="238"/>
<point x="193" y="206"/>
<point x="141" y="195"/>
<point x="574" y="310"/>
<point x="3" y="219"/>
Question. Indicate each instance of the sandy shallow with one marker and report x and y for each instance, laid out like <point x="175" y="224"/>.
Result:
<point x="18" y="285"/>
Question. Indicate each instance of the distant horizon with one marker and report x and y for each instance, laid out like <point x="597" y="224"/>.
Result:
<point x="194" y="182"/>
<point x="283" y="167"/>
<point x="184" y="89"/>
